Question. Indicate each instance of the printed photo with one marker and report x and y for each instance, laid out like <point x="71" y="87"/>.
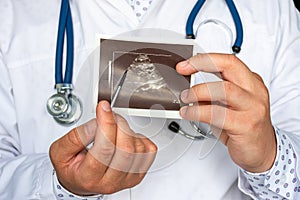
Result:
<point x="141" y="76"/>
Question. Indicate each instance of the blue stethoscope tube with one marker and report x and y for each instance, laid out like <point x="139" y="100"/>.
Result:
<point x="65" y="25"/>
<point x="236" y="48"/>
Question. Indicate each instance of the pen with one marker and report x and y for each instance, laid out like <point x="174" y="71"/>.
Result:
<point x="115" y="96"/>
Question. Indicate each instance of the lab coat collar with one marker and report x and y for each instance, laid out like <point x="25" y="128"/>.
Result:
<point x="123" y="7"/>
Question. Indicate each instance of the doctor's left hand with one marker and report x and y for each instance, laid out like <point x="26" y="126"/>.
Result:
<point x="118" y="159"/>
<point x="237" y="107"/>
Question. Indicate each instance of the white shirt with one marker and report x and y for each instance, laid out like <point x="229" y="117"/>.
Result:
<point x="27" y="52"/>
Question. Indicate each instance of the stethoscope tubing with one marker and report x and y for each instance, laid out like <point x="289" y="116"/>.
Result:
<point x="236" y="48"/>
<point x="65" y="25"/>
<point x="238" y="26"/>
<point x="191" y="19"/>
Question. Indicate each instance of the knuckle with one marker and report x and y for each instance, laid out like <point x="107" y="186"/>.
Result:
<point x="257" y="76"/>
<point x="53" y="151"/>
<point x="265" y="93"/>
<point x="109" y="122"/>
<point x="262" y="110"/>
<point x="228" y="90"/>
<point x="127" y="156"/>
<point x="152" y="148"/>
<point x="149" y="145"/>
<point x="135" y="180"/>
<point x="229" y="61"/>
<point x="127" y="151"/>
<point x="139" y="146"/>
<point x="138" y="181"/>
<point x="71" y="139"/>
<point x="232" y="59"/>
<point x="228" y="87"/>
<point x="107" y="150"/>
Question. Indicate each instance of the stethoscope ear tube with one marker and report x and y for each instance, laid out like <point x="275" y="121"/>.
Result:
<point x="236" y="48"/>
<point x="191" y="19"/>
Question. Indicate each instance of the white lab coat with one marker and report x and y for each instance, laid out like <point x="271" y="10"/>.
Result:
<point x="28" y="31"/>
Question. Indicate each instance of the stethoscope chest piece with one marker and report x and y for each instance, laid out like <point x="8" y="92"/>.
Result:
<point x="57" y="104"/>
<point x="65" y="107"/>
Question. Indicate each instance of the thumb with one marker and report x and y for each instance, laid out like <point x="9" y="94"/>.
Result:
<point x="105" y="139"/>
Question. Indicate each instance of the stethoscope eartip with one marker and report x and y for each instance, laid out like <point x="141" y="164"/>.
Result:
<point x="174" y="127"/>
<point x="236" y="49"/>
<point x="190" y="36"/>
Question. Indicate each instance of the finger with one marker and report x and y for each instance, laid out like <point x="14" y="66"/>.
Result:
<point x="104" y="143"/>
<point x="123" y="125"/>
<point x="215" y="115"/>
<point x="150" y="154"/>
<point x="139" y="155"/>
<point x="145" y="154"/>
<point x="125" y="150"/>
<point x="224" y="92"/>
<point x="144" y="157"/>
<point x="106" y="120"/>
<point x="87" y="132"/>
<point x="230" y="67"/>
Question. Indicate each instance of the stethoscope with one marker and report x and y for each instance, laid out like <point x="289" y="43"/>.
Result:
<point x="66" y="108"/>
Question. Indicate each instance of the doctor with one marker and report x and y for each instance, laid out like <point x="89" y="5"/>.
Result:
<point x="258" y="156"/>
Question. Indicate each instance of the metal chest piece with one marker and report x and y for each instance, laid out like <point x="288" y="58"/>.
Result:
<point x="65" y="107"/>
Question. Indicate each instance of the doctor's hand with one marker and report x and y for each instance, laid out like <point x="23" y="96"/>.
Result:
<point x="237" y="107"/>
<point x="118" y="159"/>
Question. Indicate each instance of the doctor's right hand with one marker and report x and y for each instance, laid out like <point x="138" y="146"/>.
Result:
<point x="118" y="159"/>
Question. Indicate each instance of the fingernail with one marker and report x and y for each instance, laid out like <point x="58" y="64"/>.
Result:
<point x="183" y="111"/>
<point x="106" y="107"/>
<point x="183" y="64"/>
<point x="184" y="95"/>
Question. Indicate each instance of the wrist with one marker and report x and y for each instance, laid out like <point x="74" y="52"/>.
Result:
<point x="267" y="157"/>
<point x="61" y="192"/>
